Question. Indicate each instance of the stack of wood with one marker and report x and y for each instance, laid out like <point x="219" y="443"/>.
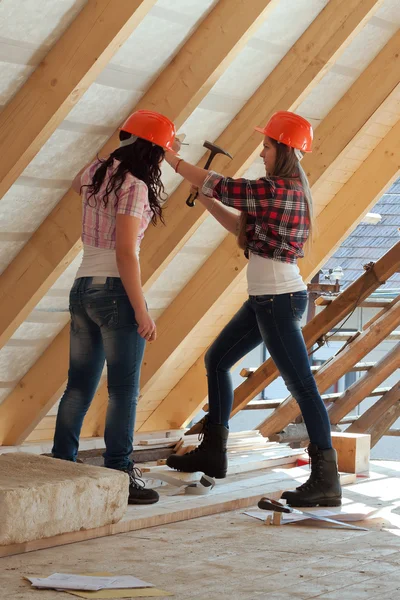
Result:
<point x="247" y="451"/>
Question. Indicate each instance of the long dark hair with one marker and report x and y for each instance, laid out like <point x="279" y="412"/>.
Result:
<point x="142" y="159"/>
<point x="287" y="166"/>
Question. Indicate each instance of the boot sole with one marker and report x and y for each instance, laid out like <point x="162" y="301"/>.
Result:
<point x="219" y="475"/>
<point x="133" y="502"/>
<point x="329" y="502"/>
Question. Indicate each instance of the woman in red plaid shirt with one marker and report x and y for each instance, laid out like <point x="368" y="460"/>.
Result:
<point x="272" y="228"/>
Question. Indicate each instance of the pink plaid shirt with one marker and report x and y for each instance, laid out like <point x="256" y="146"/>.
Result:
<point x="99" y="222"/>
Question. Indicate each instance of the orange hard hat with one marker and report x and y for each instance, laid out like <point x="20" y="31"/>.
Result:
<point x="151" y="126"/>
<point x="290" y="129"/>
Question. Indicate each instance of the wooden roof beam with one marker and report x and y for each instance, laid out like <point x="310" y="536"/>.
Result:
<point x="61" y="79"/>
<point x="378" y="419"/>
<point x="334" y="369"/>
<point x="180" y="86"/>
<point x="362" y="388"/>
<point x="295" y="76"/>
<point x="333" y="224"/>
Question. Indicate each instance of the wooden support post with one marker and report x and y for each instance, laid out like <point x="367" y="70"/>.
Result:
<point x="334" y="369"/>
<point x="363" y="387"/>
<point x="380" y="416"/>
<point x="353" y="450"/>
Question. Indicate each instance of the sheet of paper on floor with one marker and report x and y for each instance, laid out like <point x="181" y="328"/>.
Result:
<point x="347" y="516"/>
<point x="113" y="594"/>
<point x="65" y="581"/>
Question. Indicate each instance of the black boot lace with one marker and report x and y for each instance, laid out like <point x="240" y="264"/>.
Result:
<point x="202" y="437"/>
<point x="135" y="478"/>
<point x="315" y="461"/>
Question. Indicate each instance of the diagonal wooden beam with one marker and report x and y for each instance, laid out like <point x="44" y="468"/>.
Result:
<point x="189" y="396"/>
<point x="354" y="109"/>
<point x="365" y="385"/>
<point x="284" y="89"/>
<point x="291" y="80"/>
<point x="69" y="68"/>
<point x="181" y="85"/>
<point x="342" y="215"/>
<point x="380" y="416"/>
<point x="22" y="410"/>
<point x="333" y="224"/>
<point x="332" y="370"/>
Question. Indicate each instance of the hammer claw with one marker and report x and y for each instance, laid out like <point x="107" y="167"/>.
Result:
<point x="214" y="150"/>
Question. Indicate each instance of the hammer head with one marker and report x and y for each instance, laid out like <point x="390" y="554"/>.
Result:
<point x="215" y="149"/>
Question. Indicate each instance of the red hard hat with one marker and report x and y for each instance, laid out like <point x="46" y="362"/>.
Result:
<point x="151" y="126"/>
<point x="290" y="129"/>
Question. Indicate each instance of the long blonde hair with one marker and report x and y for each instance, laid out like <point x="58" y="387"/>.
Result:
<point x="287" y="163"/>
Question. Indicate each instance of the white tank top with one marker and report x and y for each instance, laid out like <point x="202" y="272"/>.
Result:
<point x="98" y="262"/>
<point x="266" y="276"/>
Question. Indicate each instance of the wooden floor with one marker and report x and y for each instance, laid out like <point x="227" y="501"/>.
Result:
<point x="231" y="556"/>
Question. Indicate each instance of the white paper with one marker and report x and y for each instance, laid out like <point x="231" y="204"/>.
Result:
<point x="64" y="581"/>
<point x="346" y="516"/>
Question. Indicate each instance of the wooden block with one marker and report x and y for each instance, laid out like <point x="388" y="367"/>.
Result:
<point x="276" y="518"/>
<point x="353" y="451"/>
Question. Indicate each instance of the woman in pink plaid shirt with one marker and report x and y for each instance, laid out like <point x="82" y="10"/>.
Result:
<point x="109" y="318"/>
<point x="273" y="226"/>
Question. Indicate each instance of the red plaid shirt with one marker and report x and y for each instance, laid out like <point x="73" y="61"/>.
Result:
<point x="277" y="214"/>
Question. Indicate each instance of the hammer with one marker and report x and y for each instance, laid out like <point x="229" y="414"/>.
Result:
<point x="214" y="149"/>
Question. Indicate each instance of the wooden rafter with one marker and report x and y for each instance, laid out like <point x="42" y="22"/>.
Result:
<point x="380" y="416"/>
<point x="364" y="386"/>
<point x="344" y="213"/>
<point x="69" y="68"/>
<point x="341" y="216"/>
<point x="179" y="88"/>
<point x="340" y="24"/>
<point x="335" y="369"/>
<point x="284" y="89"/>
<point x="22" y="410"/>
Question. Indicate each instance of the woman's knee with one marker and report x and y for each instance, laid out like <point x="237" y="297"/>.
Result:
<point x="212" y="359"/>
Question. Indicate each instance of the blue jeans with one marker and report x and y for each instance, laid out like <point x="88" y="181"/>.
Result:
<point x="274" y="320"/>
<point x="103" y="328"/>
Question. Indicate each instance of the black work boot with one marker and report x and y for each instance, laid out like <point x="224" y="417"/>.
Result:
<point x="138" y="494"/>
<point x="209" y="457"/>
<point x="323" y="486"/>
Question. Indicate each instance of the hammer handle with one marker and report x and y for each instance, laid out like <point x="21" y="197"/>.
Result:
<point x="191" y="201"/>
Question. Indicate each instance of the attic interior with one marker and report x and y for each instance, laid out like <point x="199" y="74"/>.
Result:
<point x="71" y="73"/>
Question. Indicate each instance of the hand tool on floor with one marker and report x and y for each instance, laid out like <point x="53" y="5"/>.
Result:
<point x="275" y="506"/>
<point x="214" y="150"/>
<point x="193" y="488"/>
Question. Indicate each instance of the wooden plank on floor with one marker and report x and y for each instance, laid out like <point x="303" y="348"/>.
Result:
<point x="235" y="493"/>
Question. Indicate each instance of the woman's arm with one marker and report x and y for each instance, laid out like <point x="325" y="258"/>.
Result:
<point x="246" y="195"/>
<point x="195" y="175"/>
<point x="224" y="216"/>
<point x="127" y="231"/>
